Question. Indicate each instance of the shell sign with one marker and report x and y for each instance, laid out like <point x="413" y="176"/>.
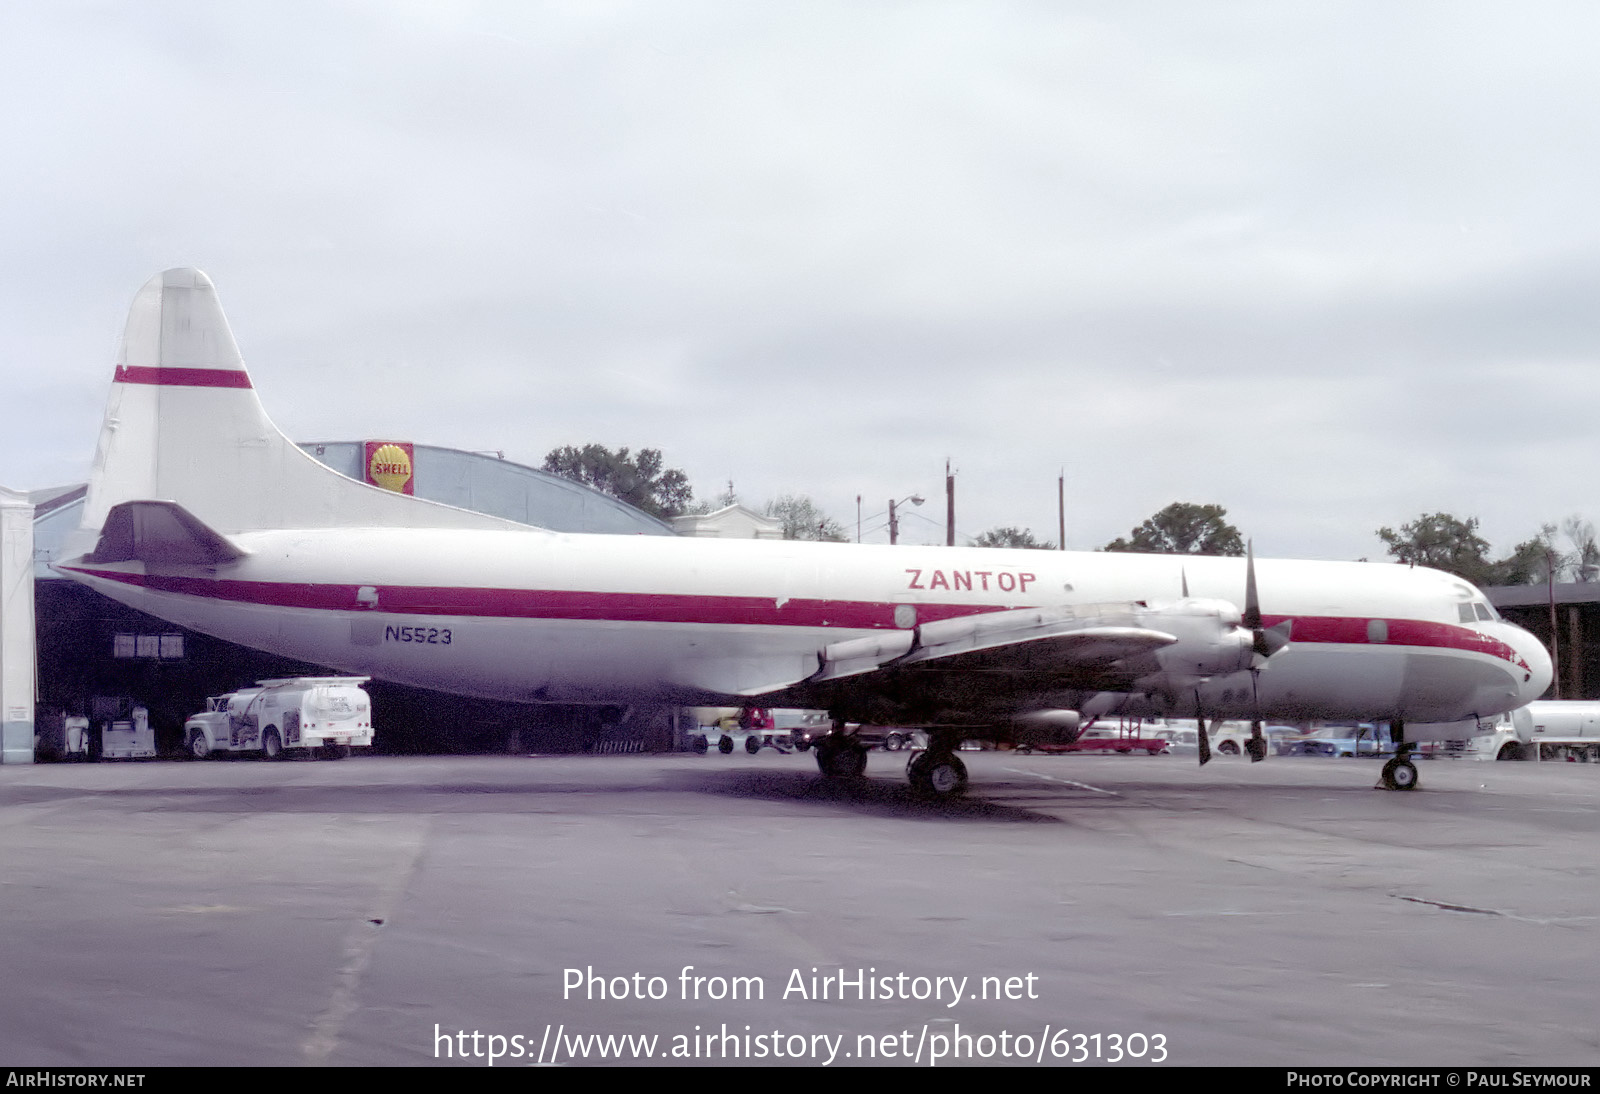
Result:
<point x="389" y="465"/>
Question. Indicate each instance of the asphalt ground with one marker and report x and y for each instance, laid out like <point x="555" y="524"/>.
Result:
<point x="385" y="910"/>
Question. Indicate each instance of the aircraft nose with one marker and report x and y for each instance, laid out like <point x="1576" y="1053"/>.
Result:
<point x="1540" y="671"/>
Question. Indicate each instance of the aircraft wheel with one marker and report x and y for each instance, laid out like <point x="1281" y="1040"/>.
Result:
<point x="841" y="759"/>
<point x="199" y="745"/>
<point x="937" y="777"/>
<point x="271" y="745"/>
<point x="1400" y="774"/>
<point x="752" y="744"/>
<point x="725" y="745"/>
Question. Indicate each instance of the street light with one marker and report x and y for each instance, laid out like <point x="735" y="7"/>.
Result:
<point x="894" y="521"/>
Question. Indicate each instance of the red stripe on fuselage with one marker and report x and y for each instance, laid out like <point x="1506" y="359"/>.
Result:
<point x="1341" y="630"/>
<point x="547" y="603"/>
<point x="402" y="600"/>
<point x="182" y="377"/>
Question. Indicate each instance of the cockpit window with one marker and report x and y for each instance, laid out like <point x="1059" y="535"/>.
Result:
<point x="1467" y="614"/>
<point x="1486" y="612"/>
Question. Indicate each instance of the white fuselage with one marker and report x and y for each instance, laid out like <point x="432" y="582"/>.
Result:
<point x="535" y="616"/>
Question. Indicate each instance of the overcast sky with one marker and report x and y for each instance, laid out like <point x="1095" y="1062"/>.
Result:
<point x="1331" y="266"/>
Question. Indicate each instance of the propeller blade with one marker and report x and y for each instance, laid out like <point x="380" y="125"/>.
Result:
<point x="1205" y="741"/>
<point x="1265" y="641"/>
<point x="1252" y="603"/>
<point x="1257" y="744"/>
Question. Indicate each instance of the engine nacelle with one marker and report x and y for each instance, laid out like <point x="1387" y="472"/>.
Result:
<point x="1211" y="639"/>
<point x="1046" y="727"/>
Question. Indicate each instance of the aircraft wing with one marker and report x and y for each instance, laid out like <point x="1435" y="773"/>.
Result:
<point x="1026" y="639"/>
<point x="989" y="666"/>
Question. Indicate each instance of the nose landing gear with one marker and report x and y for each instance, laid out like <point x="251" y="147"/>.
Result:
<point x="1399" y="773"/>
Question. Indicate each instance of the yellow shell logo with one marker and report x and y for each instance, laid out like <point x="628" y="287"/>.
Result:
<point x="390" y="467"/>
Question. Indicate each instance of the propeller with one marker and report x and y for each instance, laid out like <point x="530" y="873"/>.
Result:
<point x="1264" y="644"/>
<point x="1265" y="641"/>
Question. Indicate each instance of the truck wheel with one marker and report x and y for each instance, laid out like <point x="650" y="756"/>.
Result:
<point x="697" y="743"/>
<point x="725" y="745"/>
<point x="271" y="745"/>
<point x="335" y="752"/>
<point x="199" y="745"/>
<point x="752" y="744"/>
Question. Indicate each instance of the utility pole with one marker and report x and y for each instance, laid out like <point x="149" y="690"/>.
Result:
<point x="1061" y="507"/>
<point x="894" y="517"/>
<point x="1555" y="636"/>
<point x="949" y="506"/>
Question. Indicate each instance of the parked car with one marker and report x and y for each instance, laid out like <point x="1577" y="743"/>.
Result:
<point x="1364" y="739"/>
<point x="888" y="738"/>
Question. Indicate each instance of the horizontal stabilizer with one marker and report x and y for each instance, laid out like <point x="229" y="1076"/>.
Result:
<point x="160" y="532"/>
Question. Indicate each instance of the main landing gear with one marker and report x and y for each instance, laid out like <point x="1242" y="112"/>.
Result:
<point x="841" y="756"/>
<point x="935" y="772"/>
<point x="938" y="772"/>
<point x="1399" y="773"/>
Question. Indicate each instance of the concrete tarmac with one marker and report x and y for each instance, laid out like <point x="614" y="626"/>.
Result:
<point x="697" y="909"/>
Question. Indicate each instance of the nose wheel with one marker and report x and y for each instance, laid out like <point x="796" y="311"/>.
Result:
<point x="1400" y="774"/>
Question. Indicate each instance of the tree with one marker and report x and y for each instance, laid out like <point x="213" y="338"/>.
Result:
<point x="1530" y="562"/>
<point x="641" y="481"/>
<point x="1584" y="561"/>
<point x="1012" y="537"/>
<point x="1441" y="541"/>
<point x="1445" y="543"/>
<point x="803" y="520"/>
<point x="1184" y="529"/>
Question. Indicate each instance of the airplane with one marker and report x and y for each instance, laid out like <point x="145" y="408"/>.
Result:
<point x="201" y="512"/>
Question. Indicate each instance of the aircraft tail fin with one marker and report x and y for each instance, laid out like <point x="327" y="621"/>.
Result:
<point x="184" y="424"/>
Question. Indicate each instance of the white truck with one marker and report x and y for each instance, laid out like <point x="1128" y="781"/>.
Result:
<point x="1547" y="729"/>
<point x="326" y="714"/>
